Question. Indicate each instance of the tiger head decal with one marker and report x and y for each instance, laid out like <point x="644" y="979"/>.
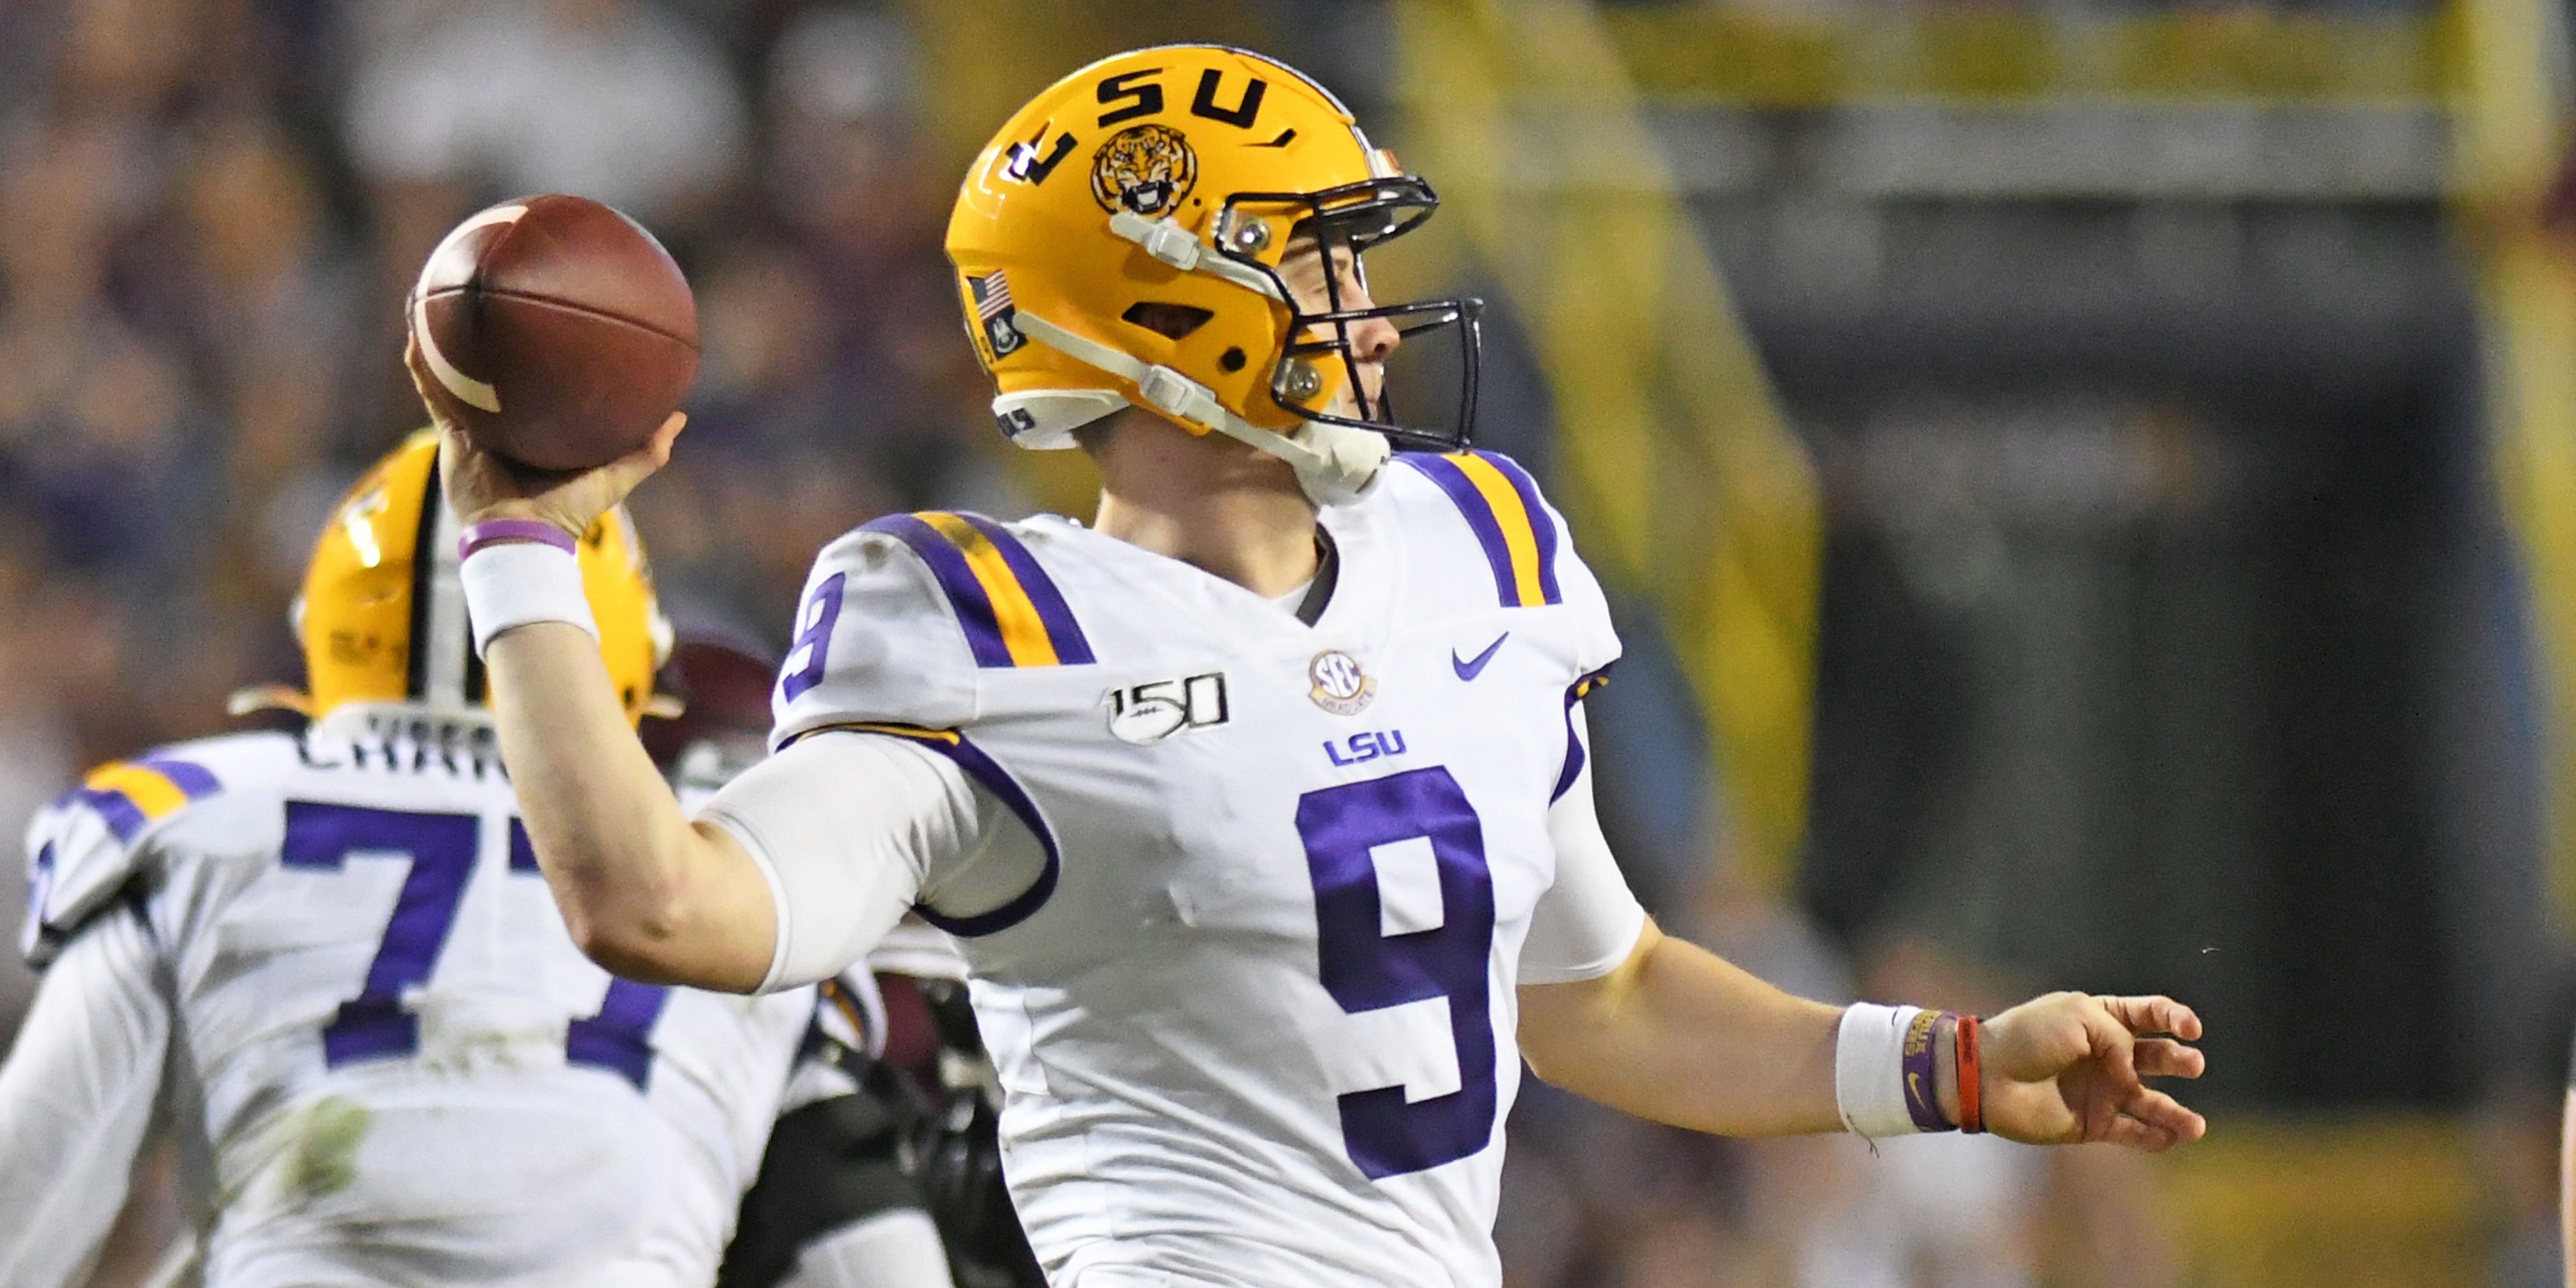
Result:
<point x="1148" y="169"/>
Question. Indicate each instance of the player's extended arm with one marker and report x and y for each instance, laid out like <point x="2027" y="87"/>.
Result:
<point x="1678" y="1035"/>
<point x="75" y="1100"/>
<point x="1623" y="1013"/>
<point x="645" y="892"/>
<point x="844" y="830"/>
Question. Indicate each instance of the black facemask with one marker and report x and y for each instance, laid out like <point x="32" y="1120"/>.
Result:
<point x="1439" y="336"/>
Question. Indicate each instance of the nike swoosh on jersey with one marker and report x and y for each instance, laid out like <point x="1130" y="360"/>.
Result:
<point x="1475" y="666"/>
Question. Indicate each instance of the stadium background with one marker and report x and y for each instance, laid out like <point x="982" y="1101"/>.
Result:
<point x="2091" y="487"/>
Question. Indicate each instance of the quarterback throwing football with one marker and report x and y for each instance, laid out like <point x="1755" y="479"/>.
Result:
<point x="1259" y="805"/>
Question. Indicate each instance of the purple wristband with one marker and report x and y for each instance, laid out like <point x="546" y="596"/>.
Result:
<point x="495" y="532"/>
<point x="1922" y="1100"/>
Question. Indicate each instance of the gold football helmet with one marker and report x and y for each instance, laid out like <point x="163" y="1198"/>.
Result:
<point x="1169" y="183"/>
<point x="382" y="614"/>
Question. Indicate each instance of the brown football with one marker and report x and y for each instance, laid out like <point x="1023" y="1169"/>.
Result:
<point x="555" y="331"/>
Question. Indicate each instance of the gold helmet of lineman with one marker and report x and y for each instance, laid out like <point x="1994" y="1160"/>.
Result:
<point x="1168" y="184"/>
<point x="382" y="614"/>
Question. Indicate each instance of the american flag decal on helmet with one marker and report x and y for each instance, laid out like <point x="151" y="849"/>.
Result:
<point x="993" y="311"/>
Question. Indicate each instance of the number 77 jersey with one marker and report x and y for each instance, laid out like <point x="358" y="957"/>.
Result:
<point x="386" y="1059"/>
<point x="1255" y="1018"/>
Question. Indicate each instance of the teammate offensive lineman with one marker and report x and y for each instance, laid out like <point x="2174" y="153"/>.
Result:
<point x="1260" y="805"/>
<point x="329" y="963"/>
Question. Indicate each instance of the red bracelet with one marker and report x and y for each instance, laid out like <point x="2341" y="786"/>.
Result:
<point x="1972" y="1116"/>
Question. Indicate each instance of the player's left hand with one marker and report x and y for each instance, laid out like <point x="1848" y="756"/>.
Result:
<point x="2066" y="1068"/>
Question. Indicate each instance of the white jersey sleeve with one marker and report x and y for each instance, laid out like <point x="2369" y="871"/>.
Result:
<point x="76" y="1097"/>
<point x="1588" y="921"/>
<point x="854" y="829"/>
<point x="917" y="948"/>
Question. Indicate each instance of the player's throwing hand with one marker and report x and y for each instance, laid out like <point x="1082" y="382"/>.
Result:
<point x="481" y="485"/>
<point x="2066" y="1068"/>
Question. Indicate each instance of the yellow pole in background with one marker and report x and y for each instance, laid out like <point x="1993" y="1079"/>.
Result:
<point x="2507" y="138"/>
<point x="1682" y="478"/>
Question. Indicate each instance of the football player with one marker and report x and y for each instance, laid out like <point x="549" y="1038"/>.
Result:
<point x="1260" y="806"/>
<point x="328" y="963"/>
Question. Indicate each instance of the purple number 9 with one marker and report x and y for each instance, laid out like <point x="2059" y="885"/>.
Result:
<point x="1366" y="969"/>
<point x="814" y="625"/>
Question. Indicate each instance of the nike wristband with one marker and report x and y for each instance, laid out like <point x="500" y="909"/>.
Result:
<point x="1883" y="1071"/>
<point x="513" y="583"/>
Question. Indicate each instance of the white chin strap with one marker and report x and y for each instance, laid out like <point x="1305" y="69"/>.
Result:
<point x="1334" y="463"/>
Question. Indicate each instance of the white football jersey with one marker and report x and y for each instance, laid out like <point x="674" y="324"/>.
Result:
<point x="337" y="963"/>
<point x="1256" y="1019"/>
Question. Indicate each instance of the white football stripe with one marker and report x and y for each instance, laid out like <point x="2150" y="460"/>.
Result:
<point x="467" y="389"/>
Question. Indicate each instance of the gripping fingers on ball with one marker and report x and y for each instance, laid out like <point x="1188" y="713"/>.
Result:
<point x="419" y="373"/>
<point x="636" y="466"/>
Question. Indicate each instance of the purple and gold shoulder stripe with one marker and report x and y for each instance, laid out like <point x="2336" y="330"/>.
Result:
<point x="1501" y="505"/>
<point x="130" y="795"/>
<point x="1012" y="612"/>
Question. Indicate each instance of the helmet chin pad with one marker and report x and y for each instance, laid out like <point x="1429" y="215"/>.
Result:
<point x="1334" y="462"/>
<point x="1339" y="461"/>
<point x="1044" y="419"/>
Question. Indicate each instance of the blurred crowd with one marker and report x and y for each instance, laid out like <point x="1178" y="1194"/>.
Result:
<point x="214" y="208"/>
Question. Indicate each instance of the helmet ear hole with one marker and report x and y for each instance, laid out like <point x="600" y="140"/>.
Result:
<point x="1171" y="321"/>
<point x="1232" y="360"/>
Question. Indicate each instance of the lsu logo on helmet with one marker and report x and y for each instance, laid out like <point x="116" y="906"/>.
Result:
<point x="1144" y="168"/>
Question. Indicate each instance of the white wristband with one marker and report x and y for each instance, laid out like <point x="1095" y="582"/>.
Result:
<point x="518" y="582"/>
<point x="1869" y="1070"/>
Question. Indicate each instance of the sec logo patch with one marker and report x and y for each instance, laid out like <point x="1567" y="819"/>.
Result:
<point x="1340" y="686"/>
